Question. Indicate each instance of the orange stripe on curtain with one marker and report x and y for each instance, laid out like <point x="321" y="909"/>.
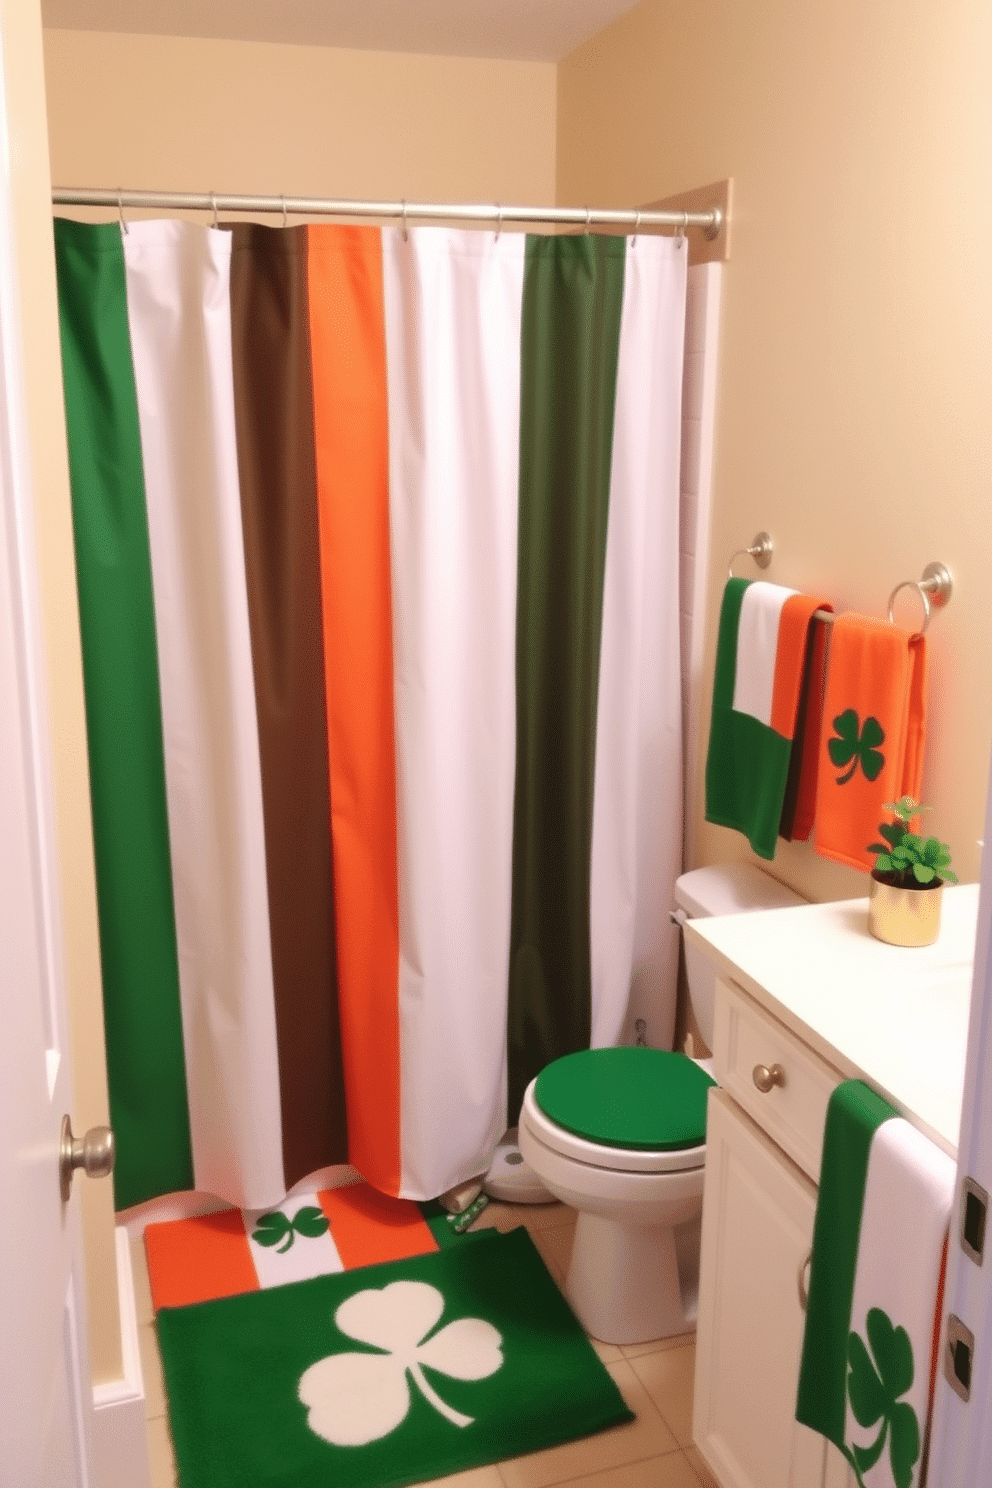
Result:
<point x="348" y="353"/>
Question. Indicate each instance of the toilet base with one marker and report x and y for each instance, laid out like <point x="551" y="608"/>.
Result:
<point x="633" y="1283"/>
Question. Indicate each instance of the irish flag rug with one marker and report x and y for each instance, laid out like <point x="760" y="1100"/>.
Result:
<point x="242" y="1250"/>
<point x="385" y="1375"/>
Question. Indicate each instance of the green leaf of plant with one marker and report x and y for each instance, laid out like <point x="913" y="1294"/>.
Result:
<point x="923" y="874"/>
<point x="864" y="1387"/>
<point x="892" y="832"/>
<point x="931" y="851"/>
<point x="311" y="1222"/>
<point x="271" y="1228"/>
<point x="883" y="862"/>
<point x="904" y="1445"/>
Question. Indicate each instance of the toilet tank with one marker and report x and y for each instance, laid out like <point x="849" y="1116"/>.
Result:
<point x="732" y="888"/>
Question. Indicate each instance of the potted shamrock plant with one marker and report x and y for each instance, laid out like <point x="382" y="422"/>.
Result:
<point x="907" y="880"/>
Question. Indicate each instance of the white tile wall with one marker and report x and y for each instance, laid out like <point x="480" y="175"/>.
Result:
<point x="702" y="323"/>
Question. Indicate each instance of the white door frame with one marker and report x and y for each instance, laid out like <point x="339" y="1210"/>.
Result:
<point x="962" y="1430"/>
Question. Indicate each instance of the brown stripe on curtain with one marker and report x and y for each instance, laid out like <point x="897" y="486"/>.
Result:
<point x="274" y="413"/>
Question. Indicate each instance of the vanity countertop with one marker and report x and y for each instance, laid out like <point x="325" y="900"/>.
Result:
<point x="893" y="1017"/>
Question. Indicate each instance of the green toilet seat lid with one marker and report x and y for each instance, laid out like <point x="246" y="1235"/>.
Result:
<point x="645" y="1099"/>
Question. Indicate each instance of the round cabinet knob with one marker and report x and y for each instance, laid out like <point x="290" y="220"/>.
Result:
<point x="767" y="1078"/>
<point x="94" y="1153"/>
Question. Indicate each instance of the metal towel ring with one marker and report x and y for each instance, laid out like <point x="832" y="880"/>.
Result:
<point x="760" y="550"/>
<point x="912" y="584"/>
<point x="934" y="588"/>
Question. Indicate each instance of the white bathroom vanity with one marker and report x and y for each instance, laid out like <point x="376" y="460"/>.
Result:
<point x="806" y="998"/>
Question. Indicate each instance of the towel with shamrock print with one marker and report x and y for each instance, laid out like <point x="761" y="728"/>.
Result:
<point x="876" y="1275"/>
<point x="763" y="655"/>
<point x="874" y="726"/>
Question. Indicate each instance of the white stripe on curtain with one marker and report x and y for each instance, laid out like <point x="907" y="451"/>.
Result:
<point x="452" y="309"/>
<point x="637" y="806"/>
<point x="178" y="293"/>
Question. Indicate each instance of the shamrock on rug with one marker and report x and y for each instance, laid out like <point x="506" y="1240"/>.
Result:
<point x="241" y="1250"/>
<point x="388" y="1375"/>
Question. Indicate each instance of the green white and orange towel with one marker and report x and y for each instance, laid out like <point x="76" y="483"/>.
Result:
<point x="874" y="722"/>
<point x="765" y="653"/>
<point x="873" y="1314"/>
<point x="235" y="1250"/>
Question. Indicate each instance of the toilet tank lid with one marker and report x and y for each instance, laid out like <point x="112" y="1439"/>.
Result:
<point x="731" y="888"/>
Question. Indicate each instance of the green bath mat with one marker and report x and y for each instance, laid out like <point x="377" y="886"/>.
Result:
<point x="392" y="1374"/>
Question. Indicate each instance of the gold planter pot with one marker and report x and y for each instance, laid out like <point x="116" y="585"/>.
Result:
<point x="904" y="917"/>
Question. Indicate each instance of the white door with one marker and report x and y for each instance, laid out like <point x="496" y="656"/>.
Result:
<point x="45" y="1393"/>
<point x="962" y="1434"/>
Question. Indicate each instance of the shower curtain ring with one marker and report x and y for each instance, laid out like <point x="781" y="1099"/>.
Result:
<point x="120" y="212"/>
<point x="588" y="217"/>
<point x="637" y="224"/>
<point x="283" y="200"/>
<point x="406" y="235"/>
<point x="499" y="222"/>
<point x="213" y="203"/>
<point x="680" y="235"/>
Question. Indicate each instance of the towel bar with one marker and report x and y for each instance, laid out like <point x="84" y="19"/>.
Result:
<point x="934" y="587"/>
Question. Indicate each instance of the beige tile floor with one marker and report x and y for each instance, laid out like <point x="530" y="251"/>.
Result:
<point x="655" y="1451"/>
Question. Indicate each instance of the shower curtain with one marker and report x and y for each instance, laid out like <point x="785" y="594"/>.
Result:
<point x="377" y="558"/>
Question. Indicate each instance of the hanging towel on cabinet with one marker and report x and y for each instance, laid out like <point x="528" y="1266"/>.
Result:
<point x="874" y="723"/>
<point x="761" y="659"/>
<point x="876" y="1274"/>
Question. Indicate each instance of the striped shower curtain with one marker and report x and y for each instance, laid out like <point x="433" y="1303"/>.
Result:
<point x="377" y="556"/>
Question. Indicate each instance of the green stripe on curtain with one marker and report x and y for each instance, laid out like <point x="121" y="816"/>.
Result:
<point x="273" y="398"/>
<point x="145" y="1059"/>
<point x="573" y="294"/>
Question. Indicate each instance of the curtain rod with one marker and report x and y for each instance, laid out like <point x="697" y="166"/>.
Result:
<point x="313" y="206"/>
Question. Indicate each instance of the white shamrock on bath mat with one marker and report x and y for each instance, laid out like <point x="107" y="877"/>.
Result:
<point x="356" y="1398"/>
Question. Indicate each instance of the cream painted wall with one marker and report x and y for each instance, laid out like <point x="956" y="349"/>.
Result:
<point x="192" y="114"/>
<point x="21" y="24"/>
<point x="854" y="413"/>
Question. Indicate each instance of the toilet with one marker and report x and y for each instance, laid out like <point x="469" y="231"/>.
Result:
<point x="620" y="1135"/>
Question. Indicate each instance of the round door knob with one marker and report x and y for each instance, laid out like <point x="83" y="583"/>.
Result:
<point x="95" y="1153"/>
<point x="766" y="1079"/>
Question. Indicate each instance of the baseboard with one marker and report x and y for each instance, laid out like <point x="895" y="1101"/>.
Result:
<point x="120" y="1435"/>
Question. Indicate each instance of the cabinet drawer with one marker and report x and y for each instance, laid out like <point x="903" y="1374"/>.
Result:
<point x="747" y="1042"/>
